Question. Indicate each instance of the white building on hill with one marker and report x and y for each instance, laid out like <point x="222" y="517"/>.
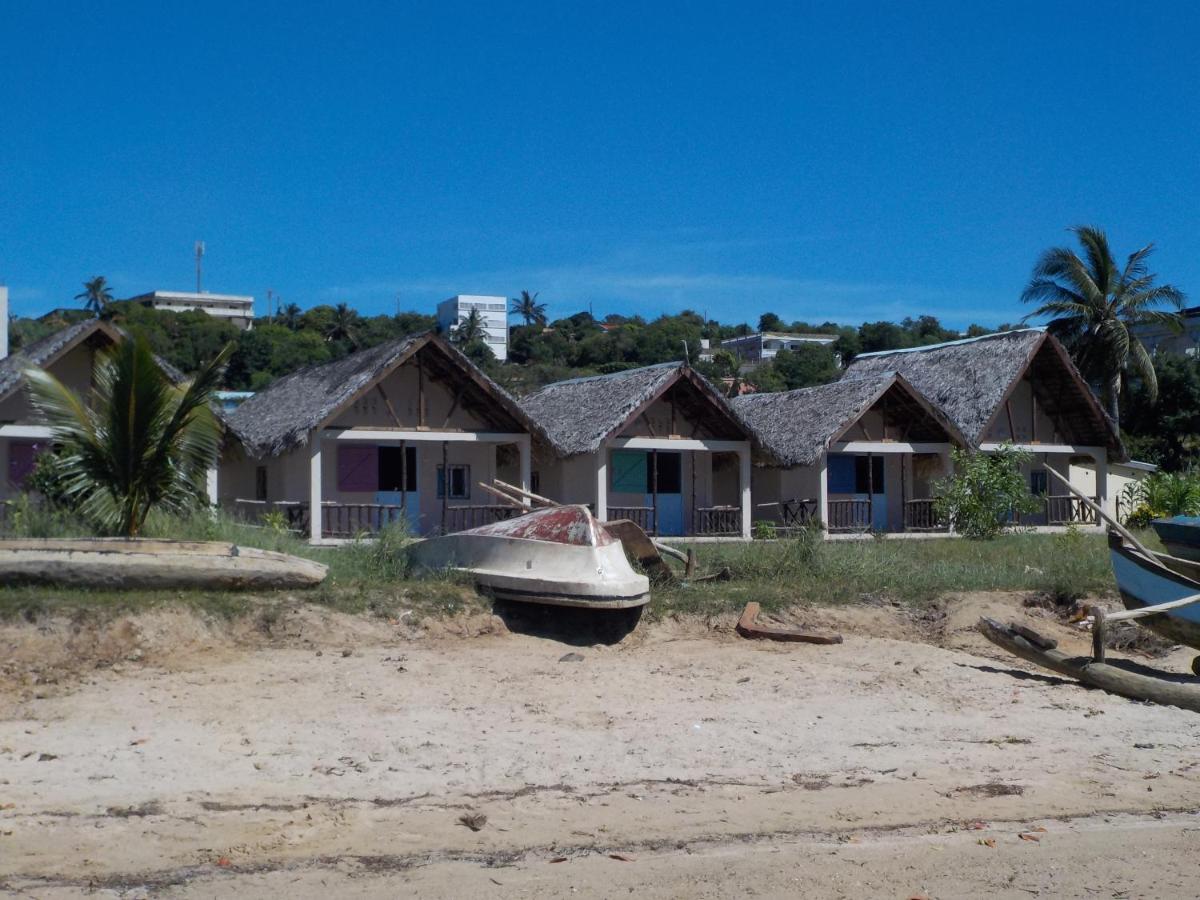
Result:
<point x="236" y="309"/>
<point x="493" y="311"/>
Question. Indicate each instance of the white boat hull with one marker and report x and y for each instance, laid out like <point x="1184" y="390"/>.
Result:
<point x="517" y="560"/>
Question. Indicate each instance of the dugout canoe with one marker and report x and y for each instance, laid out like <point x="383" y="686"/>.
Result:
<point x="559" y="556"/>
<point x="123" y="564"/>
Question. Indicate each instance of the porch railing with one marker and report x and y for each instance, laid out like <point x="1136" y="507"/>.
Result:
<point x="849" y="515"/>
<point x="717" y="520"/>
<point x="921" y="515"/>
<point x="349" y="520"/>
<point x="1061" y="509"/>
<point x="642" y="516"/>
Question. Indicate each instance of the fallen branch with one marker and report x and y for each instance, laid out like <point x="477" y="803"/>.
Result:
<point x="748" y="627"/>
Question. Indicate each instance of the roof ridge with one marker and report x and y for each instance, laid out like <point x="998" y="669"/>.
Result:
<point x="1039" y="329"/>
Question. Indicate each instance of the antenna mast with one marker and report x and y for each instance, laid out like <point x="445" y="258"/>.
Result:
<point x="199" y="266"/>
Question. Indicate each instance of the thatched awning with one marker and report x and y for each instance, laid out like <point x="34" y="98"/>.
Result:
<point x="796" y="427"/>
<point x="971" y="380"/>
<point x="580" y="414"/>
<point x="283" y="416"/>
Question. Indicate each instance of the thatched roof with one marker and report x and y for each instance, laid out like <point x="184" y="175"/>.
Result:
<point x="796" y="427"/>
<point x="971" y="380"/>
<point x="581" y="413"/>
<point x="283" y="415"/>
<point x="44" y="351"/>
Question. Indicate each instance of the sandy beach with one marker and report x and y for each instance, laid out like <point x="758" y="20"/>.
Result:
<point x="324" y="755"/>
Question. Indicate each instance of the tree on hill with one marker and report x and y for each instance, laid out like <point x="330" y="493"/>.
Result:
<point x="343" y="325"/>
<point x="469" y="330"/>
<point x="527" y="307"/>
<point x="289" y="316"/>
<point x="768" y="321"/>
<point x="1094" y="304"/>
<point x="96" y="295"/>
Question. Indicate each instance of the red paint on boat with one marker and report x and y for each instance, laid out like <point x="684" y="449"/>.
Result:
<point x="556" y="525"/>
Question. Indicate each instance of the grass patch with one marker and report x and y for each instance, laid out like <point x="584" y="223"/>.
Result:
<point x="807" y="570"/>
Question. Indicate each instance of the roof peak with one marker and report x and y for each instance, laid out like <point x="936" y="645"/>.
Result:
<point x="679" y="364"/>
<point x="955" y="343"/>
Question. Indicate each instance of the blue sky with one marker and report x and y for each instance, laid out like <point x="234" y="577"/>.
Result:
<point x="844" y="161"/>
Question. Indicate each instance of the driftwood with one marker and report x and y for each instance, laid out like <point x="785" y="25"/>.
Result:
<point x="638" y="545"/>
<point x="1116" y="679"/>
<point x="748" y="627"/>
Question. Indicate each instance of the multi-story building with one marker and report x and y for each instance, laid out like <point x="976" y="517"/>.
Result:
<point x="236" y="309"/>
<point x="1160" y="338"/>
<point x="493" y="313"/>
<point x="756" y="349"/>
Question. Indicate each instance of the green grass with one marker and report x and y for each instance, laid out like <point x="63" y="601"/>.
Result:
<point x="802" y="570"/>
<point x="372" y="578"/>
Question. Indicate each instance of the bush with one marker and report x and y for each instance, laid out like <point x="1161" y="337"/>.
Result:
<point x="985" y="492"/>
<point x="1160" y="496"/>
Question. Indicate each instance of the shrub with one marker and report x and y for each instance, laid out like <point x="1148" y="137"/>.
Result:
<point x="1162" y="495"/>
<point x="985" y="492"/>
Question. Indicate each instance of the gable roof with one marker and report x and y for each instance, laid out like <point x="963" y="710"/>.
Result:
<point x="971" y="379"/>
<point x="44" y="351"/>
<point x="281" y="417"/>
<point x="580" y="414"/>
<point x="796" y="427"/>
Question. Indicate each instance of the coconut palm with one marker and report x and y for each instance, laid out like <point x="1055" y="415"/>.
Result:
<point x="527" y="307"/>
<point x="343" y="326"/>
<point x="95" y="295"/>
<point x="138" y="442"/>
<point x="289" y="316"/>
<point x="1094" y="305"/>
<point x="470" y="329"/>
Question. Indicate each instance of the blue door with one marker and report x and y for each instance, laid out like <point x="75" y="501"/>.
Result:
<point x="860" y="478"/>
<point x="393" y="477"/>
<point x="669" y="472"/>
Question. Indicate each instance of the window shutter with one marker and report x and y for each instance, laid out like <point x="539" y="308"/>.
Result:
<point x="358" y="468"/>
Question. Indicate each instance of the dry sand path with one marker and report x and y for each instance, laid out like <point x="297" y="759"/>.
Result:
<point x="885" y="766"/>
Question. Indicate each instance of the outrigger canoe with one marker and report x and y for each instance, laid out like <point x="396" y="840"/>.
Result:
<point x="560" y="555"/>
<point x="121" y="564"/>
<point x="1149" y="581"/>
<point x="1180" y="535"/>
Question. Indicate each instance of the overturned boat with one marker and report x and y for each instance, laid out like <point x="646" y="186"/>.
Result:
<point x="136" y="564"/>
<point x="560" y="555"/>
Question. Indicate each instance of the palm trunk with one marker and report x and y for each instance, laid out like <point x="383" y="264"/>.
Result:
<point x="1114" y="399"/>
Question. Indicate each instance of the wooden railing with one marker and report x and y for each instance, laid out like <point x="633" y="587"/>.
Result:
<point x="849" y="515"/>
<point x="349" y="520"/>
<point x="643" y="516"/>
<point x="1067" y="509"/>
<point x="799" y="512"/>
<point x="921" y="515"/>
<point x="460" y="518"/>
<point x="717" y="520"/>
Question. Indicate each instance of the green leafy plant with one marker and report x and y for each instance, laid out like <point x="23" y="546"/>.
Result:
<point x="764" y="531"/>
<point x="986" y="491"/>
<point x="137" y="442"/>
<point x="1160" y="496"/>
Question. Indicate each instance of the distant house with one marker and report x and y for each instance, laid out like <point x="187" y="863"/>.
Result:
<point x="69" y="355"/>
<point x="858" y="454"/>
<point x="493" y="315"/>
<point x="1019" y="387"/>
<point x="657" y="445"/>
<point x="404" y="430"/>
<point x="233" y="308"/>
<point x="755" y="349"/>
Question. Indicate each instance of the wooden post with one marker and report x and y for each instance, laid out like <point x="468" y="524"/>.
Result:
<point x="445" y="482"/>
<point x="403" y="478"/>
<point x="1098" y="635"/>
<point x="1012" y="429"/>
<point x="654" y="487"/>
<point x="420" y="393"/>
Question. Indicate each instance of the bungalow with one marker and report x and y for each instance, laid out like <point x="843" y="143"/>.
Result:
<point x="858" y="454"/>
<point x="1017" y="387"/>
<point x="657" y="445"/>
<point x="406" y="429"/>
<point x="69" y="355"/>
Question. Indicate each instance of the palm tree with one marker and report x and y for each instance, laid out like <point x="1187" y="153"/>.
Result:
<point x="470" y="329"/>
<point x="138" y="442"/>
<point x="527" y="307"/>
<point x="343" y="326"/>
<point x="1094" y="305"/>
<point x="289" y="316"/>
<point x="96" y="295"/>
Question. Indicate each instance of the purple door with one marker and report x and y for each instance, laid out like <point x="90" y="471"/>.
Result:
<point x="22" y="457"/>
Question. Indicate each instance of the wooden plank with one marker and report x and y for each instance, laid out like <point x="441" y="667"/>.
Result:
<point x="748" y="627"/>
